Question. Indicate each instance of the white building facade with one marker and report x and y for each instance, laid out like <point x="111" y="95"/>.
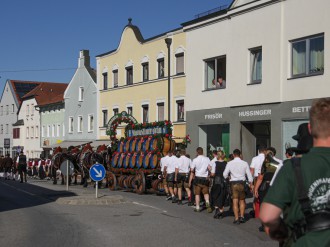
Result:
<point x="272" y="56"/>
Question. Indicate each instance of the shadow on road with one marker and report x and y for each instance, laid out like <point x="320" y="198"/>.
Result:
<point x="15" y="195"/>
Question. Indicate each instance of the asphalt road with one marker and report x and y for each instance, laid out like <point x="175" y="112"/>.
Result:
<point x="39" y="213"/>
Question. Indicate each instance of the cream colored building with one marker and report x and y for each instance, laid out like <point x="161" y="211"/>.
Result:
<point x="134" y="78"/>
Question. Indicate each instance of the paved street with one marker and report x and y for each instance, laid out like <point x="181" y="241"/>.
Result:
<point x="39" y="213"/>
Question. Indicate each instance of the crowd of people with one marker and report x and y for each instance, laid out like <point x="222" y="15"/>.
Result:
<point x="19" y="167"/>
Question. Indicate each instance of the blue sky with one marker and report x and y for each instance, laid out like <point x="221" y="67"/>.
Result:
<point x="40" y="39"/>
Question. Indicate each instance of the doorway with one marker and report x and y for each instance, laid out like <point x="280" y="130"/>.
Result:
<point x="254" y="134"/>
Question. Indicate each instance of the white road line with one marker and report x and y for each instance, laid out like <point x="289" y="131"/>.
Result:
<point x="13" y="187"/>
<point x="144" y="205"/>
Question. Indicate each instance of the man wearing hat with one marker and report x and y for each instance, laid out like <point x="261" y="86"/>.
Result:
<point x="301" y="189"/>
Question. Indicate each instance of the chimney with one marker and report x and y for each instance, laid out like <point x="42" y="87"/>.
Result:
<point x="84" y="59"/>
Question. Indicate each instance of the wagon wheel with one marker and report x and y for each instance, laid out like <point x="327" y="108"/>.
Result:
<point x="157" y="185"/>
<point x="140" y="183"/>
<point x="112" y="181"/>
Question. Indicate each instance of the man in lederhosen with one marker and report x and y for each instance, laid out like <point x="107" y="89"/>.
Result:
<point x="201" y="166"/>
<point x="183" y="176"/>
<point x="171" y="168"/>
<point x="8" y="165"/>
<point x="22" y="163"/>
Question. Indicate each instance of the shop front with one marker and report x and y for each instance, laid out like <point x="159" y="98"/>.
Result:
<point x="247" y="127"/>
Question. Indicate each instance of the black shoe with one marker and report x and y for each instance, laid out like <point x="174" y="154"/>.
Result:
<point x="190" y="204"/>
<point x="174" y="200"/>
<point x="236" y="222"/>
<point x="242" y="220"/>
<point x="217" y="211"/>
<point x="180" y="202"/>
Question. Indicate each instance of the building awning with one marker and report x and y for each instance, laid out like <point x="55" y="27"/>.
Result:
<point x="19" y="123"/>
<point x="78" y="143"/>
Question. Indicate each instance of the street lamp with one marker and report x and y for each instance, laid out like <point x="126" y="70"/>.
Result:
<point x="168" y="42"/>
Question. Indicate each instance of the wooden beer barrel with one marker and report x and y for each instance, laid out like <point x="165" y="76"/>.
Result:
<point x="114" y="160"/>
<point x="133" y="160"/>
<point x="140" y="160"/>
<point x="146" y="161"/>
<point x="132" y="145"/>
<point x="139" y="144"/>
<point x="153" y="161"/>
<point x="127" y="160"/>
<point x="121" y="160"/>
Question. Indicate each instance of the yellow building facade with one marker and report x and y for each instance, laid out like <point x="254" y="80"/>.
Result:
<point x="134" y="78"/>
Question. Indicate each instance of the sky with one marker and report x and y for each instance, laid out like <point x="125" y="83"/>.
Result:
<point x="40" y="40"/>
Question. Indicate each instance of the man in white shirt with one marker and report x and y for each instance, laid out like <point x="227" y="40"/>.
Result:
<point x="201" y="166"/>
<point x="183" y="176"/>
<point x="255" y="169"/>
<point x="238" y="169"/>
<point x="171" y="168"/>
<point x="162" y="165"/>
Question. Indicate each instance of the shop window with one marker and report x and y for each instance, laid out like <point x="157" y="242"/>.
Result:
<point x="215" y="70"/>
<point x="180" y="110"/>
<point x="179" y="63"/>
<point x="161" y="68"/>
<point x="256" y="65"/>
<point x="129" y="75"/>
<point x="307" y="56"/>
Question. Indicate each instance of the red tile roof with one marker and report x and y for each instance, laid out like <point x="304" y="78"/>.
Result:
<point x="47" y="93"/>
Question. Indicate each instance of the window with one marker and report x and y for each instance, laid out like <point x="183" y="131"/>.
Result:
<point x="7" y="109"/>
<point x="58" y="130"/>
<point x="105" y="81"/>
<point x="130" y="110"/>
<point x="90" y="123"/>
<point x="145" y="71"/>
<point x="53" y="130"/>
<point x="179" y="63"/>
<point x="215" y="68"/>
<point x="27" y="132"/>
<point x="1" y="131"/>
<point x="161" y="68"/>
<point x="105" y="117"/>
<point x="16" y="133"/>
<point x="32" y="109"/>
<point x="48" y="131"/>
<point x="32" y="132"/>
<point x="308" y="56"/>
<point x="145" y="113"/>
<point x="1" y="111"/>
<point x="63" y="130"/>
<point x="115" y="111"/>
<point x="37" y="132"/>
<point x="43" y="131"/>
<point x="7" y="128"/>
<point x="115" y="78"/>
<point x="13" y="108"/>
<point x="129" y="75"/>
<point x="70" y="124"/>
<point x="81" y="94"/>
<point x="161" y="110"/>
<point x="27" y="109"/>
<point x="80" y="123"/>
<point x="256" y="65"/>
<point x="180" y="104"/>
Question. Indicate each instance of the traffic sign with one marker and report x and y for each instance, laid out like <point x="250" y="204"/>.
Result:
<point x="97" y="172"/>
<point x="64" y="169"/>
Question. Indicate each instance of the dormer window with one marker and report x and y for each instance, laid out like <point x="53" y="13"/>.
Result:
<point x="81" y="94"/>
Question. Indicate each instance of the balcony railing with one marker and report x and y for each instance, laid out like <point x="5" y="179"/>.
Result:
<point x="222" y="7"/>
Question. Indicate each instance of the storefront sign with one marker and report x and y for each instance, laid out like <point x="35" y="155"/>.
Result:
<point x="300" y="109"/>
<point x="213" y="116"/>
<point x="255" y="113"/>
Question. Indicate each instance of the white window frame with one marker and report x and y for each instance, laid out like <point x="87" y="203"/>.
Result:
<point x="53" y="130"/>
<point x="43" y="131"/>
<point x="58" y="126"/>
<point x="144" y="104"/>
<point x="71" y="125"/>
<point x="27" y="132"/>
<point x="253" y="54"/>
<point x="157" y="112"/>
<point x="90" y="123"/>
<point x="27" y="110"/>
<point x="36" y="132"/>
<point x="32" y="132"/>
<point x="81" y="94"/>
<point x="48" y="130"/>
<point x="80" y="125"/>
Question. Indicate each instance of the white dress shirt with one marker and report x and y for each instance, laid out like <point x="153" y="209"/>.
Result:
<point x="162" y="163"/>
<point x="171" y="164"/>
<point x="201" y="165"/>
<point x="238" y="169"/>
<point x="184" y="164"/>
<point x="256" y="163"/>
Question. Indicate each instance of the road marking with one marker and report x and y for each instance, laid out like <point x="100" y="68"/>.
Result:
<point x="144" y="205"/>
<point x="26" y="192"/>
